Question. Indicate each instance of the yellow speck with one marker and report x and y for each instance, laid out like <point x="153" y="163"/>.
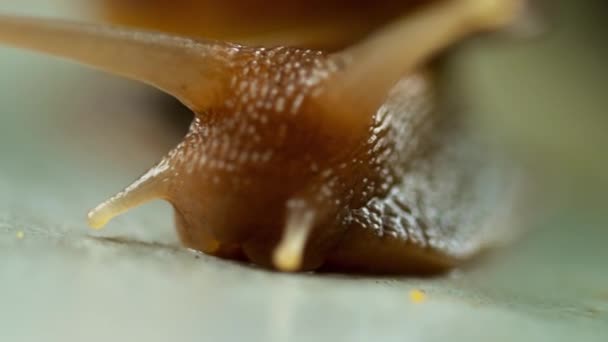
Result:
<point x="417" y="296"/>
<point x="20" y="235"/>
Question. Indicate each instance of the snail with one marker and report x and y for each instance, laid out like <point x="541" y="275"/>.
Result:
<point x="300" y="159"/>
<point x="318" y="24"/>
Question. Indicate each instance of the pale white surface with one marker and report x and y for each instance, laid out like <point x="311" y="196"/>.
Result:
<point x="59" y="157"/>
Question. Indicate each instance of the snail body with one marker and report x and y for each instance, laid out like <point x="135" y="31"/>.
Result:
<point x="299" y="159"/>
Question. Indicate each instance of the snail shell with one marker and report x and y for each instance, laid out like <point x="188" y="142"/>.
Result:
<point x="319" y="24"/>
<point x="299" y="159"/>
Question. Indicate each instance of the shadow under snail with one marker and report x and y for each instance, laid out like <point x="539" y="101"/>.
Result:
<point x="299" y="159"/>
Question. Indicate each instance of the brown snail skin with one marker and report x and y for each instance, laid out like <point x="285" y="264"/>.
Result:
<point x="299" y="159"/>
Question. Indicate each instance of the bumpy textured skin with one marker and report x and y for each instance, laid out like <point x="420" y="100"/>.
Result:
<point x="400" y="197"/>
